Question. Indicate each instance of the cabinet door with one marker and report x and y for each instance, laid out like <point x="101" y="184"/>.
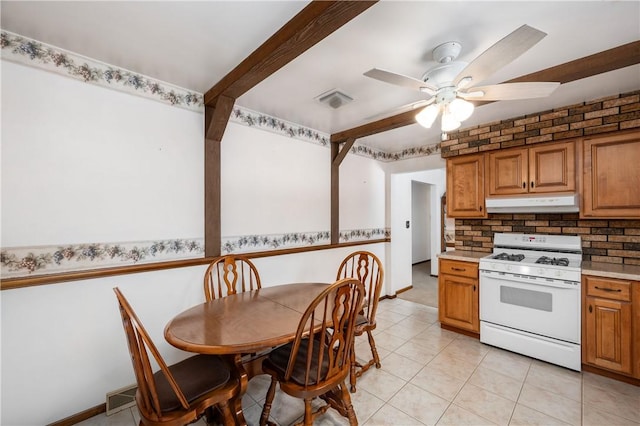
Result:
<point x="552" y="168"/>
<point x="611" y="173"/>
<point x="508" y="172"/>
<point x="465" y="186"/>
<point x="608" y="334"/>
<point x="458" y="302"/>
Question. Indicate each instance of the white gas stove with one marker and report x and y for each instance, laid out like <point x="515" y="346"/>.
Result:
<point x="530" y="296"/>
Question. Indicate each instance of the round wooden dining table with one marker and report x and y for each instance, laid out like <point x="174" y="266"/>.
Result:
<point x="242" y="324"/>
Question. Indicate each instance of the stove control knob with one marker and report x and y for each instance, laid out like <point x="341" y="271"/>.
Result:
<point x="540" y="271"/>
<point x="558" y="273"/>
<point x="508" y="267"/>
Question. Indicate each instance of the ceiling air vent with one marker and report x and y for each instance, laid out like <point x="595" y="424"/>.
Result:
<point x="334" y="98"/>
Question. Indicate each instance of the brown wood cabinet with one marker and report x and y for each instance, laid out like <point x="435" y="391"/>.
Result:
<point x="611" y="176"/>
<point x="458" y="295"/>
<point x="465" y="186"/>
<point x="539" y="169"/>
<point x="608" y="329"/>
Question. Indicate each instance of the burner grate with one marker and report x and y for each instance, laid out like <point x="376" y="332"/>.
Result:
<point x="511" y="257"/>
<point x="546" y="260"/>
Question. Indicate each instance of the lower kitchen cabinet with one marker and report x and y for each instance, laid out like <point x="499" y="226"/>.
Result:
<point x="608" y="324"/>
<point x="458" y="292"/>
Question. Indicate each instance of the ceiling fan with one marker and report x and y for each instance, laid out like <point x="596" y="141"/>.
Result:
<point x="451" y="84"/>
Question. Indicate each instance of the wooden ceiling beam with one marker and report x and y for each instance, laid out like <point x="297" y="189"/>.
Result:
<point x="598" y="63"/>
<point x="605" y="61"/>
<point x="312" y="24"/>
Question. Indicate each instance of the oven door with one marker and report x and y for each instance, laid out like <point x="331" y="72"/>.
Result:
<point x="537" y="305"/>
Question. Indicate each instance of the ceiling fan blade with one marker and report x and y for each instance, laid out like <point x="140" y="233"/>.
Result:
<point x="501" y="53"/>
<point x="511" y="91"/>
<point x="401" y="80"/>
<point x="401" y="109"/>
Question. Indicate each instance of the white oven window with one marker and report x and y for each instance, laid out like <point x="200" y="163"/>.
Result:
<point x="541" y="301"/>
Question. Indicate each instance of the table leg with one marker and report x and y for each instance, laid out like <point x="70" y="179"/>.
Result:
<point x="236" y="405"/>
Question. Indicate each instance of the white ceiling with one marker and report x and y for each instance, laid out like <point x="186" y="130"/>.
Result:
<point x="195" y="44"/>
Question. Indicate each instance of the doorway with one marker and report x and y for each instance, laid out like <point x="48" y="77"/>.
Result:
<point x="424" y="288"/>
<point x="400" y="257"/>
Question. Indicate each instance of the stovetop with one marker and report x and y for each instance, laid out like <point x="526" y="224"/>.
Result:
<point x="555" y="259"/>
<point x="545" y="256"/>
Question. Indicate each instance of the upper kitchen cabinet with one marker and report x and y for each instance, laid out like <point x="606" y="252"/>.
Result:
<point x="465" y="186"/>
<point x="611" y="176"/>
<point x="540" y="169"/>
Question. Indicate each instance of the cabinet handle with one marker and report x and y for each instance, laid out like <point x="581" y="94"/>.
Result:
<point x="532" y="184"/>
<point x="617" y="290"/>
<point x="590" y="308"/>
<point x="458" y="269"/>
<point x="524" y="185"/>
<point x="480" y="208"/>
<point x="474" y="287"/>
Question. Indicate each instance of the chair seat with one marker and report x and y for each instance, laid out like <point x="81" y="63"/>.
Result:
<point x="196" y="376"/>
<point x="361" y="320"/>
<point x="279" y="358"/>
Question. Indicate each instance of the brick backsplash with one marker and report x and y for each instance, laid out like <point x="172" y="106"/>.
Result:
<point x="603" y="240"/>
<point x="610" y="240"/>
<point x="611" y="114"/>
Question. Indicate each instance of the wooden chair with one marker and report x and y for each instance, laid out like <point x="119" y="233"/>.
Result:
<point x="228" y="275"/>
<point x="318" y="361"/>
<point x="180" y="393"/>
<point x="367" y="268"/>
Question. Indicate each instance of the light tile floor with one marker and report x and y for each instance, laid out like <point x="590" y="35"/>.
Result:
<point x="432" y="376"/>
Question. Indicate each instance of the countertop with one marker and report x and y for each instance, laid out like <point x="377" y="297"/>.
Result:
<point x="466" y="256"/>
<point x="611" y="270"/>
<point x="600" y="269"/>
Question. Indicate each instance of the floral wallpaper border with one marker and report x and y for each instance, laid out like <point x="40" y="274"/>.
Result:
<point x="31" y="52"/>
<point x="272" y="124"/>
<point x="39" y="260"/>
<point x="41" y="55"/>
<point x="16" y="262"/>
<point x="248" y="243"/>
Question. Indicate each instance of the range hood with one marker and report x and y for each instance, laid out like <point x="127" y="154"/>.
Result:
<point x="537" y="204"/>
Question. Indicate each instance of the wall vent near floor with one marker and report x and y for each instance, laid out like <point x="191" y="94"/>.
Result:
<point x="120" y="399"/>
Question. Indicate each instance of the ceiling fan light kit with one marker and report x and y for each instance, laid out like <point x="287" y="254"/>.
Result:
<point x="427" y="116"/>
<point x="451" y="82"/>
<point x="449" y="121"/>
<point x="461" y="109"/>
<point x="453" y="114"/>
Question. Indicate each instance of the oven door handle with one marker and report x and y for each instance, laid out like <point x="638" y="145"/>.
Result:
<point x="527" y="279"/>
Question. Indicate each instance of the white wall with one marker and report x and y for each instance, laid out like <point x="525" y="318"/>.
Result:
<point x="262" y="173"/>
<point x="85" y="164"/>
<point x="81" y="163"/>
<point x="420" y="222"/>
<point x="362" y="195"/>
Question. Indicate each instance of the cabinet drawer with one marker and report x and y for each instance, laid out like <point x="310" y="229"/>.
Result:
<point x="462" y="269"/>
<point x="608" y="288"/>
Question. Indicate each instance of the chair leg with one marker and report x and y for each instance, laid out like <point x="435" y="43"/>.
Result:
<point x="352" y="373"/>
<point x="264" y="418"/>
<point x="227" y="416"/>
<point x="346" y="400"/>
<point x="308" y="412"/>
<point x="374" y="351"/>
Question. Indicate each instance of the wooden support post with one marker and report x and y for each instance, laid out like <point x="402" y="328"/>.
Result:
<point x="214" y="126"/>
<point x="337" y="155"/>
